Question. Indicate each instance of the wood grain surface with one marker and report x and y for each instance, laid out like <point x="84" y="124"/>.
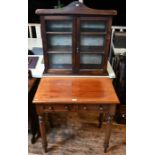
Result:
<point x="75" y="90"/>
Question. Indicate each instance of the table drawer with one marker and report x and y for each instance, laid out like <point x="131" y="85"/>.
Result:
<point x="59" y="108"/>
<point x="98" y="108"/>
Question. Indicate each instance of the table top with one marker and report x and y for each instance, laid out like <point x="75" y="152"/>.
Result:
<point x="73" y="90"/>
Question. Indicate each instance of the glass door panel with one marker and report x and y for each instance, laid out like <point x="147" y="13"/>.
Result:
<point x="59" y="26"/>
<point x="60" y="61"/>
<point x="92" y="26"/>
<point x="90" y="61"/>
<point x="59" y="43"/>
<point x="91" y="44"/>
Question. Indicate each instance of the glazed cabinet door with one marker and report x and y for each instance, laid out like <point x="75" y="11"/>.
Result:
<point x="57" y="36"/>
<point x="91" y="51"/>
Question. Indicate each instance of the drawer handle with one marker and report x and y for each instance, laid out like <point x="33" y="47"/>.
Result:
<point x="85" y="108"/>
<point x="67" y="107"/>
<point x="51" y="108"/>
<point x="101" y="108"/>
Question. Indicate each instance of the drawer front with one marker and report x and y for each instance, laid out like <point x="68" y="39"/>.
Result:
<point x="97" y="108"/>
<point x="80" y="108"/>
<point x="59" y="108"/>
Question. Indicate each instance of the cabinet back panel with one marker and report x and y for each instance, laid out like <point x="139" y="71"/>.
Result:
<point x="91" y="40"/>
<point x="90" y="58"/>
<point x="59" y="59"/>
<point x="59" y="26"/>
<point x="61" y="40"/>
<point x="93" y="26"/>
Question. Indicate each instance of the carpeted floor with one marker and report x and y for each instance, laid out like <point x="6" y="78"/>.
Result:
<point x="78" y="134"/>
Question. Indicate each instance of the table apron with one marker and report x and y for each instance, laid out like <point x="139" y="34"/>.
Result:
<point x="51" y="108"/>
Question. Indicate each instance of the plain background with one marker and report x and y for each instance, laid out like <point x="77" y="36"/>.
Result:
<point x="119" y="5"/>
<point x="140" y="77"/>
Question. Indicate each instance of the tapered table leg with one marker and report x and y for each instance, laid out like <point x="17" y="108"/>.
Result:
<point x="107" y="133"/>
<point x="43" y="132"/>
<point x="100" y="120"/>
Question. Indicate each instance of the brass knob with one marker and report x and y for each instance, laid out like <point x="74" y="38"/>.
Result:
<point x="66" y="107"/>
<point x="101" y="108"/>
<point x="84" y="108"/>
<point x="51" y="108"/>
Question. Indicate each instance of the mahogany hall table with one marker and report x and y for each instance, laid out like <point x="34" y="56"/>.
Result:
<point x="85" y="94"/>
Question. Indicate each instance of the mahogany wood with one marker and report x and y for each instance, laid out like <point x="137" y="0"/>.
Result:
<point x="78" y="94"/>
<point x="75" y="90"/>
<point x="107" y="133"/>
<point x="77" y="12"/>
<point x="44" y="42"/>
<point x="43" y="131"/>
<point x="100" y="119"/>
<point x="107" y="44"/>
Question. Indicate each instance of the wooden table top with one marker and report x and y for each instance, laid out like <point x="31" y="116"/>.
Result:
<point x="73" y="90"/>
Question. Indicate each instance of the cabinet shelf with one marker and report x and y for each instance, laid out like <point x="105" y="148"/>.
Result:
<point x="93" y="30"/>
<point x="59" y="29"/>
<point x="59" y="49"/>
<point x="92" y="49"/>
<point x="90" y="66"/>
<point x="92" y="52"/>
<point x="58" y="72"/>
<point x="93" y="33"/>
<point x="59" y="32"/>
<point x="61" y="66"/>
<point x="63" y="52"/>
